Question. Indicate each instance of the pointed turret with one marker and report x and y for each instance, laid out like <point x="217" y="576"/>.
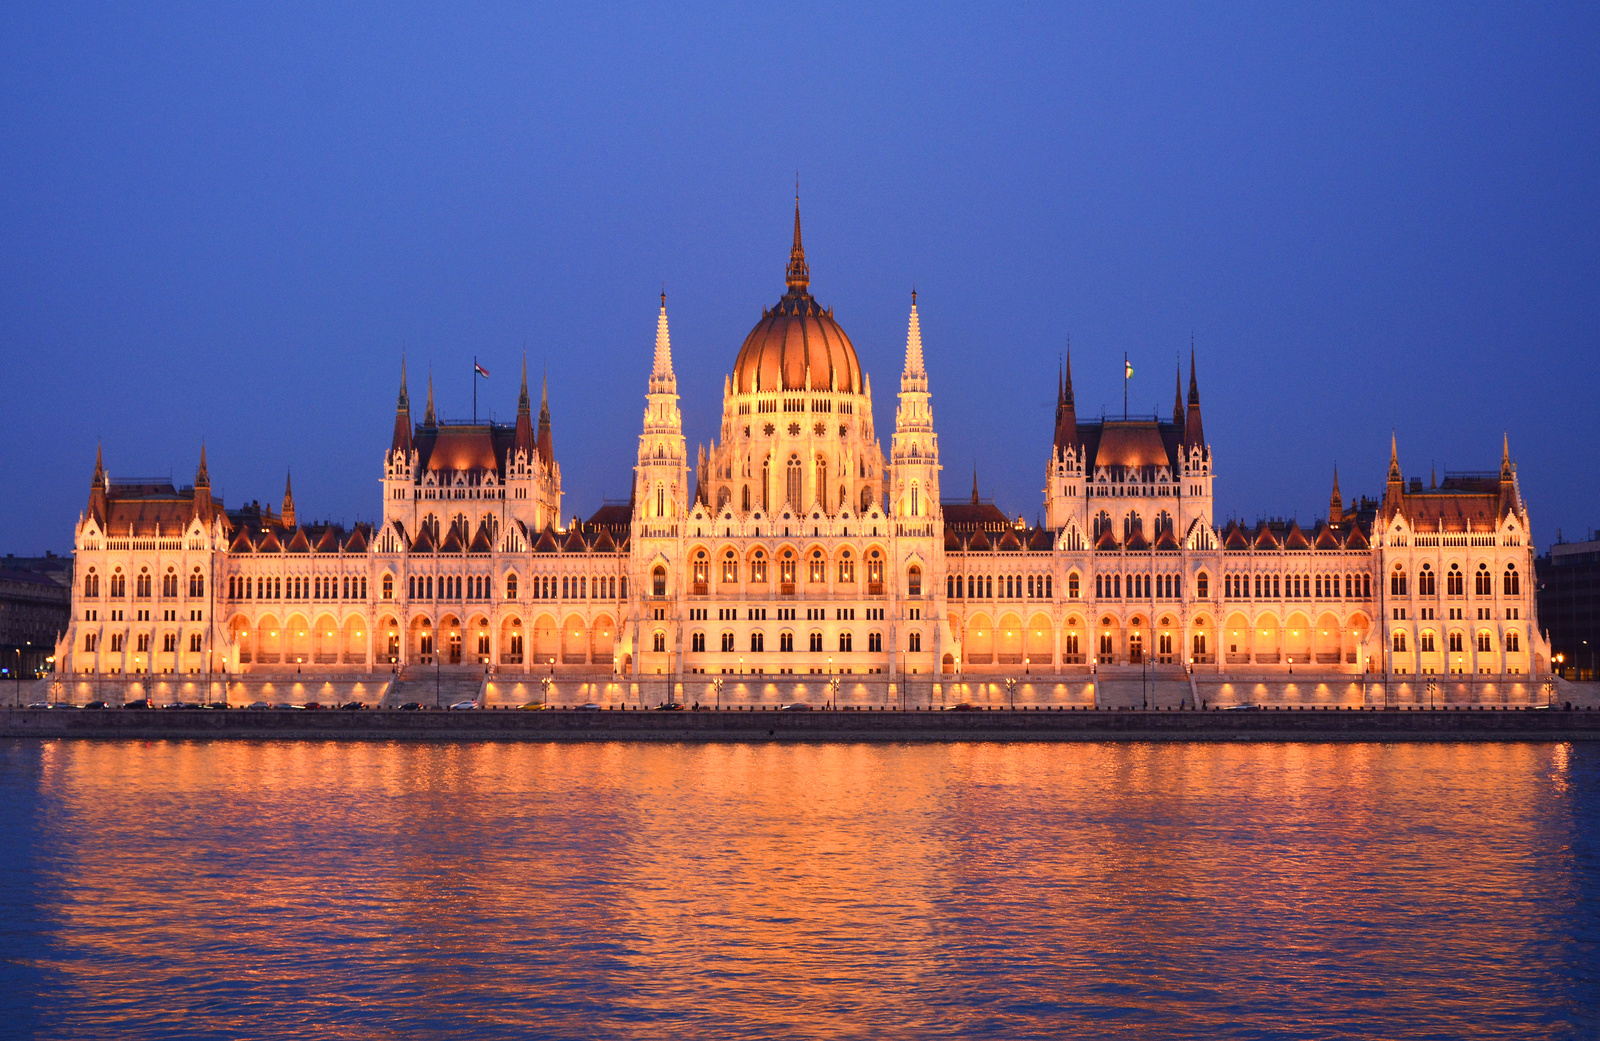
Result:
<point x="546" y="449"/>
<point x="1066" y="412"/>
<point x="1177" y="398"/>
<point x="202" y="506"/>
<point x="287" y="513"/>
<point x="523" y="440"/>
<point x="662" y="379"/>
<point x="97" y="489"/>
<point x="402" y="415"/>
<point x="1335" y="501"/>
<point x="914" y="363"/>
<point x="1508" y="478"/>
<point x="798" y="276"/>
<point x="1194" y="433"/>
<point x="974" y="484"/>
<point x="1395" y="486"/>
<point x="428" y="417"/>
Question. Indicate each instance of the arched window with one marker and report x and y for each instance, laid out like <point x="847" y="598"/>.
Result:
<point x="388" y="586"/>
<point x="1072" y="586"/>
<point x="141" y="585"/>
<point x="818" y="571"/>
<point x="1513" y="641"/>
<point x="744" y="498"/>
<point x="846" y="642"/>
<point x="758" y="642"/>
<point x="1399" y="639"/>
<point x="1513" y="582"/>
<point x="792" y="482"/>
<point x="658" y="642"/>
<point x="1483" y="582"/>
<point x="197" y="583"/>
<point x="1425" y="641"/>
<point x="1163" y="523"/>
<point x="511" y="586"/>
<point x="914" y="581"/>
<point x="730" y="568"/>
<point x="1130" y="524"/>
<point x="724" y="496"/>
<point x="91" y="584"/>
<point x="658" y="581"/>
<point x="1397" y="582"/>
<point x="1425" y="581"/>
<point x="1454" y="583"/>
<point x="786" y="570"/>
<point x="758" y="568"/>
<point x="1202" y="586"/>
<point x="866" y="499"/>
<point x="914" y="642"/>
<point x="1102" y="523"/>
<point x="1455" y="643"/>
<point x="916" y="507"/>
<point x="786" y="642"/>
<point x="661" y="500"/>
<point x="1485" y="642"/>
<point x="847" y="568"/>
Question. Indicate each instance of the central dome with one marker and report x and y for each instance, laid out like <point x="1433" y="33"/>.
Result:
<point x="795" y="338"/>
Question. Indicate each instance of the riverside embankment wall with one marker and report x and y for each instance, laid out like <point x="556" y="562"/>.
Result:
<point x="1316" y="725"/>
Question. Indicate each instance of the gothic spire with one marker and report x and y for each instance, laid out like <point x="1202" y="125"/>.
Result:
<point x="97" y="489"/>
<point x="522" y="440"/>
<point x="974" y="484"/>
<point x="914" y="363"/>
<point x="429" y="419"/>
<point x="1066" y="410"/>
<point x="99" y="478"/>
<point x="1505" y="457"/>
<point x="287" y="513"/>
<point x="798" y="277"/>
<point x="1335" y="500"/>
<point x="401" y="442"/>
<point x="661" y="374"/>
<point x="202" y="477"/>
<point x="1194" y="432"/>
<point x="546" y="449"/>
<point x="1177" y="397"/>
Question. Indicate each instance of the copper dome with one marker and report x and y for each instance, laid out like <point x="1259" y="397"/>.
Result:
<point x="796" y="336"/>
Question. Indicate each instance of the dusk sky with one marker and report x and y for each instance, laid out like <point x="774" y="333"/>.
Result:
<point x="223" y="221"/>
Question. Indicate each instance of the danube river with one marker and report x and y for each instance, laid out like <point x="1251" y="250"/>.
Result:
<point x="234" y="889"/>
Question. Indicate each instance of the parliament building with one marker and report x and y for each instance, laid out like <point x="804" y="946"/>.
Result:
<point x="800" y="555"/>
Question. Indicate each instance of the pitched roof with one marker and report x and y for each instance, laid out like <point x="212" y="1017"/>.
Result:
<point x="1296" y="539"/>
<point x="1009" y="543"/>
<point x="547" y="541"/>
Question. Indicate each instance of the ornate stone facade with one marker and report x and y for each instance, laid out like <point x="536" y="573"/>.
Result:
<point x="802" y="550"/>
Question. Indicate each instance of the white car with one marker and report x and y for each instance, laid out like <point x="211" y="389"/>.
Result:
<point x="462" y="706"/>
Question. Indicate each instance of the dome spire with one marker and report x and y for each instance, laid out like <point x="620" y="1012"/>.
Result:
<point x="798" y="276"/>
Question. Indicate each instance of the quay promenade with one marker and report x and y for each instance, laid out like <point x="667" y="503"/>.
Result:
<point x="764" y="723"/>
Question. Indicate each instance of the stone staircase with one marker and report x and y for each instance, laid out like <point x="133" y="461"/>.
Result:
<point x="444" y="689"/>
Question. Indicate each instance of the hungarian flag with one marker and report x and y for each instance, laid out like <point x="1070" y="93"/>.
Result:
<point x="1127" y="369"/>
<point x="480" y="370"/>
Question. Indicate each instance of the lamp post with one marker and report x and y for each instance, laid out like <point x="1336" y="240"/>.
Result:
<point x="716" y="685"/>
<point x="1011" y="691"/>
<point x="828" y="700"/>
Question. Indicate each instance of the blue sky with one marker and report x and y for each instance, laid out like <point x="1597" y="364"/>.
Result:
<point x="223" y="221"/>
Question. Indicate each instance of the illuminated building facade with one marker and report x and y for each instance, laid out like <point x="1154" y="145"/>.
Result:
<point x="802" y="548"/>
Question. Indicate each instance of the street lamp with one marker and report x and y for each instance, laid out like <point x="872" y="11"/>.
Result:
<point x="1011" y="690"/>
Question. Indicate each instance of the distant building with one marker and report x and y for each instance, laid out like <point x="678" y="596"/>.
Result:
<point x="35" y="611"/>
<point x="801" y="543"/>
<point x="1569" y="603"/>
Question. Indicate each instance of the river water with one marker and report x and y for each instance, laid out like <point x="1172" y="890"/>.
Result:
<point x="234" y="889"/>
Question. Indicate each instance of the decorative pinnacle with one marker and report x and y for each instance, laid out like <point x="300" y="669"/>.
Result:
<point x="914" y="364"/>
<point x="522" y="397"/>
<point x="798" y="276"/>
<point x="662" y="368"/>
<point x="202" y="477"/>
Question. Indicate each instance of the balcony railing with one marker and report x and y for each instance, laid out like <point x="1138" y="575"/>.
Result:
<point x="980" y="659"/>
<point x="1327" y="658"/>
<point x="1238" y="659"/>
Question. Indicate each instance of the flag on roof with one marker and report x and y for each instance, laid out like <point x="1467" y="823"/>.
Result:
<point x="1127" y="367"/>
<point x="479" y="370"/>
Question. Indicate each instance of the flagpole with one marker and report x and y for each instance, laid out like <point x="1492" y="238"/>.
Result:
<point x="475" y="390"/>
<point x="1124" y="386"/>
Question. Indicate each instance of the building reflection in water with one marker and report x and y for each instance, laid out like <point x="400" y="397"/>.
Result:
<point x="1007" y="890"/>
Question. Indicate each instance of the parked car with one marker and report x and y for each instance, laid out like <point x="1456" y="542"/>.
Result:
<point x="258" y="706"/>
<point x="535" y="706"/>
<point x="313" y="705"/>
<point x="38" y="704"/>
<point x="590" y="707"/>
<point x="798" y="706"/>
<point x="352" y="706"/>
<point x="96" y="704"/>
<point x="284" y="704"/>
<point x="670" y="706"/>
<point x="963" y="707"/>
<point x="411" y="706"/>
<point x="462" y="706"/>
<point x="138" y="703"/>
<point x="218" y="704"/>
<point x="182" y="704"/>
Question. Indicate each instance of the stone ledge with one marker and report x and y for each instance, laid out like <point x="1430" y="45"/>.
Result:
<point x="1317" y="725"/>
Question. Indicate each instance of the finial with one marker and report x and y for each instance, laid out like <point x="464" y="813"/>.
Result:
<point x="428" y="417"/>
<point x="202" y="477"/>
<point x="798" y="276"/>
